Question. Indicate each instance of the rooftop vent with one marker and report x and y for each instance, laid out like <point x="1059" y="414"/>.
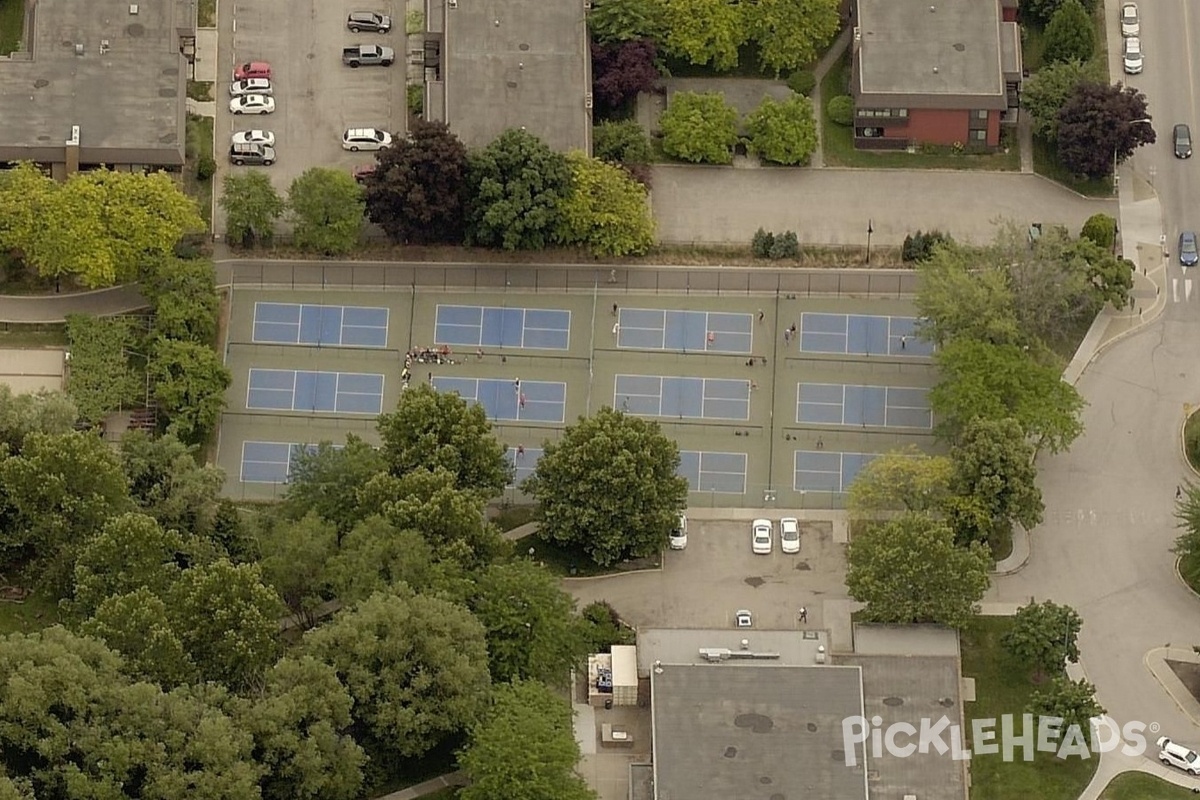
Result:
<point x="745" y="644"/>
<point x="935" y="70"/>
<point x="104" y="46"/>
<point x="932" y="9"/>
<point x="78" y="49"/>
<point x="452" y="3"/>
<point x="133" y="9"/>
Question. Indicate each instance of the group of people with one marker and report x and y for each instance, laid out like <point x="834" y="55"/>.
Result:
<point x="429" y="355"/>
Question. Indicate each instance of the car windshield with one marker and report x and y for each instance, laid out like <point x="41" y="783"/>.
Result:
<point x="1183" y="136"/>
<point x="1188" y="245"/>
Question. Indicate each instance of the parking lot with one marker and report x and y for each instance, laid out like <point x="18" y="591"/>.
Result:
<point x="316" y="97"/>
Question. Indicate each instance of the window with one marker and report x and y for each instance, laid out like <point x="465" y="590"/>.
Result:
<point x="883" y="112"/>
<point x="981" y="114"/>
<point x="979" y="136"/>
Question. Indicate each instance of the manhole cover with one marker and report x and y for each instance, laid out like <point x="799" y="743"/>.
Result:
<point x="812" y="727"/>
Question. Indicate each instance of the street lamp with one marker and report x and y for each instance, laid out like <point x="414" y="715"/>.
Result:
<point x="1116" y="178"/>
<point x="870" y="230"/>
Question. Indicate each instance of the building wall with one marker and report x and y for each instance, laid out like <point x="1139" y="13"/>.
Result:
<point x="938" y="126"/>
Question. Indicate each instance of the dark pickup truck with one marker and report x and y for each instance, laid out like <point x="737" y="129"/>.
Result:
<point x="368" y="55"/>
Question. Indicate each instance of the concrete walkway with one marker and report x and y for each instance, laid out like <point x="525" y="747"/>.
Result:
<point x="428" y="787"/>
<point x="53" y="308"/>
<point x="826" y="63"/>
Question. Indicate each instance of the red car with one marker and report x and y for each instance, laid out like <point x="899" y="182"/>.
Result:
<point x="253" y="69"/>
<point x="363" y="171"/>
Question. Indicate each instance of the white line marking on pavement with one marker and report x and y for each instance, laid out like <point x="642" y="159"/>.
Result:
<point x="1175" y="289"/>
<point x="1187" y="289"/>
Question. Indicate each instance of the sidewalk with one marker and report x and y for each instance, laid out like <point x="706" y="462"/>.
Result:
<point x="822" y="68"/>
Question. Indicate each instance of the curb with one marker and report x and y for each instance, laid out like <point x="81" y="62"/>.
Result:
<point x="1183" y="442"/>
<point x="1179" y="575"/>
<point x="584" y="578"/>
<point x="1001" y="573"/>
<point x="1161" y="683"/>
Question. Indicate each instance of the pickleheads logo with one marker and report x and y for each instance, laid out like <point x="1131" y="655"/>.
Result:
<point x="1045" y="735"/>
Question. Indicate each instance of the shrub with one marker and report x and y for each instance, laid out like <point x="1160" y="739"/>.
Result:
<point x="841" y="109"/>
<point x="919" y="246"/>
<point x="623" y="142"/>
<point x="802" y="81"/>
<point x="786" y="245"/>
<point x="206" y="167"/>
<point x="416" y="99"/>
<point x="1101" y="229"/>
<point x="762" y="243"/>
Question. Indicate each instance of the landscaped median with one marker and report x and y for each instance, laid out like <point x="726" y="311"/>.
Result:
<point x="1141" y="786"/>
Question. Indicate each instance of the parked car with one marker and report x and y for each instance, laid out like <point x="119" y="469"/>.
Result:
<point x="1130" y="23"/>
<point x="789" y="535"/>
<point x="251" y="153"/>
<point x="252" y="104"/>
<point x="356" y="139"/>
<point x="252" y="69"/>
<point x="1188" y="252"/>
<point x="760" y="536"/>
<point x="370" y="21"/>
<point x="368" y="55"/>
<point x="1176" y="755"/>
<point x="1134" y="60"/>
<point x="678" y="539"/>
<point x="1182" y="136"/>
<point x="363" y="171"/>
<point x="251" y="86"/>
<point x="254" y="137"/>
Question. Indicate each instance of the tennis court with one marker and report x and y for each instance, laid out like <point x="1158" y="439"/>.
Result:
<point x="300" y="390"/>
<point x="861" y="334"/>
<point x="322" y="326"/>
<point x="511" y="401"/>
<point x="827" y="471"/>
<point x="685" y="331"/>
<point x="848" y="404"/>
<point x="708" y="471"/>
<point x="690" y="398"/>
<point x="490" y="326"/>
<point x="523" y="463"/>
<point x="271" y="462"/>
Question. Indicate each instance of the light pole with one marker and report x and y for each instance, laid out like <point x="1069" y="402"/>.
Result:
<point x="870" y="230"/>
<point x="1116" y="179"/>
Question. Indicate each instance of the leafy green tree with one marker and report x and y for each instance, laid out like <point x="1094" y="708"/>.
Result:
<point x="415" y="665"/>
<point x="525" y="748"/>
<point x="791" y="33"/>
<point x="137" y="626"/>
<point x="1101" y="229"/>
<point x="40" y="412"/>
<point x="328" y="480"/>
<point x="1043" y="637"/>
<point x="993" y="462"/>
<point x="434" y="429"/>
<point x="375" y="555"/>
<point x="998" y="381"/>
<point x="1109" y="279"/>
<point x="189" y="383"/>
<point x="295" y="558"/>
<point x="130" y="552"/>
<point x="909" y="570"/>
<point x="518" y="185"/>
<point x="101" y="379"/>
<point x="609" y="486"/>
<point x="784" y="132"/>
<point x="1040" y="12"/>
<point x="1074" y="702"/>
<point x="621" y="142"/>
<point x="1070" y="35"/>
<point x="228" y="621"/>
<point x="903" y="480"/>
<point x="327" y="210"/>
<point x="183" y="294"/>
<point x="532" y="629"/>
<point x="958" y="300"/>
<point x="704" y="31"/>
<point x="920" y="246"/>
<point x="33" y="220"/>
<point x="624" y="20"/>
<point x="252" y="207"/>
<point x="841" y="110"/>
<point x="1044" y="94"/>
<point x="607" y="211"/>
<point x="699" y="127"/>
<point x="167" y="483"/>
<point x="602" y="628"/>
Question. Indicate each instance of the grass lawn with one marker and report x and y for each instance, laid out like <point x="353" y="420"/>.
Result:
<point x="199" y="144"/>
<point x="200" y="91"/>
<point x="37" y="612"/>
<point x="513" y="517"/>
<point x="12" y="25"/>
<point x="207" y="14"/>
<point x="1189" y="568"/>
<point x="572" y="561"/>
<point x="1045" y="162"/>
<point x="449" y="793"/>
<point x="1002" y="687"/>
<point x="17" y="335"/>
<point x="1140" y="786"/>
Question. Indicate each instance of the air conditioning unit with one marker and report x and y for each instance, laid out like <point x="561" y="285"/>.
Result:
<point x="587" y="100"/>
<point x="452" y="3"/>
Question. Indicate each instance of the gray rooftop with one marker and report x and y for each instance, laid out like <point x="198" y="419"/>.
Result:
<point x="905" y="640"/>
<point x="127" y="101"/>
<point x="735" y="732"/>
<point x="683" y="645"/>
<point x="950" y="51"/>
<point x="515" y="63"/>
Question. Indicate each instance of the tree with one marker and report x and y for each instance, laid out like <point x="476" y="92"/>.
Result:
<point x="166" y="482"/>
<point x="623" y="20"/>
<point x="1187" y="515"/>
<point x="327" y="210"/>
<point x="1040" y="12"/>
<point x="189" y="383"/>
<point x="784" y="132"/>
<point x="137" y="626"/>
<point x="607" y="211"/>
<point x="130" y="552"/>
<point x="102" y="379"/>
<point x="959" y="300"/>
<point x="993" y="462"/>
<point x="1070" y="35"/>
<point x="183" y="294"/>
<point x="622" y="70"/>
<point x="1044" y="94"/>
<point x="525" y="748"/>
<point x="375" y="556"/>
<point x="327" y="481"/>
<point x="791" y="34"/>
<point x="1100" y="229"/>
<point x="1074" y="702"/>
<point x="609" y="487"/>
<point x="434" y="429"/>
<point x="252" y="207"/>
<point x="841" y="110"/>
<point x="530" y="622"/>
<point x="418" y="191"/>
<point x="1109" y="279"/>
<point x="621" y="142"/>
<point x="909" y="570"/>
<point x="40" y="412"/>
<point x="228" y="621"/>
<point x="1043" y="637"/>
<point x="517" y="184"/>
<point x="602" y="628"/>
<point x="919" y="247"/>
<point x="997" y="381"/>
<point x="699" y="126"/>
<point x="903" y="480"/>
<point x="415" y="665"/>
<point x="295" y="555"/>
<point x="704" y="31"/>
<point x="1097" y="126"/>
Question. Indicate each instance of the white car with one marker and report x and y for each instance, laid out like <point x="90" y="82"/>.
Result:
<point x="760" y="537"/>
<point x="1176" y="755"/>
<point x="254" y="137"/>
<point x="678" y="539"/>
<point x="1130" y="25"/>
<point x="356" y="139"/>
<point x="789" y="535"/>
<point x="252" y="104"/>
<point x="1134" y="59"/>
<point x="251" y="86"/>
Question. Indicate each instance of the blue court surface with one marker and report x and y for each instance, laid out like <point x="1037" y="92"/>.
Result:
<point x="271" y="462"/>
<point x="534" y="401"/>
<point x="846" y="404"/>
<point x="488" y="326"/>
<point x="861" y="334"/>
<point x="330" y="326"/>
<point x="685" y="331"/>
<point x="523" y="463"/>
<point x="332" y="392"/>
<point x="690" y="398"/>
<point x="827" y="470"/>
<point x="707" y="471"/>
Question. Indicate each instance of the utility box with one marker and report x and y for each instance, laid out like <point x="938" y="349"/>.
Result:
<point x="624" y="675"/>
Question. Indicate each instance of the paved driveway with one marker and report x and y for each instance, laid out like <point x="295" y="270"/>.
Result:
<point x="834" y="206"/>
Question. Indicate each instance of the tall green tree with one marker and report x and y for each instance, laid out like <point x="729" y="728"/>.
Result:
<point x="41" y="412"/>
<point x="624" y="20"/>
<point x="525" y="748"/>
<point x="909" y="570"/>
<point x="704" y="31"/>
<point x="327" y="481"/>
<point x="1045" y="93"/>
<point x="375" y="555"/>
<point x="609" y="486"/>
<point x="1040" y="12"/>
<point x="327" y="210"/>
<point x="130" y="552"/>
<point x="957" y="299"/>
<point x="138" y="627"/>
<point x="183" y="294"/>
<point x="166" y="482"/>
<point x="1098" y="127"/>
<point x="101" y="378"/>
<point x="1043" y="637"/>
<point x="1074" y="702"/>
<point x="784" y="131"/>
<point x="1070" y="35"/>
<point x="699" y="127"/>
<point x="295" y="558"/>
<point x="607" y="211"/>
<point x="993" y="463"/>
<point x="903" y="480"/>
<point x="1100" y="229"/>
<point x="791" y="33"/>
<point x="517" y="186"/>
<point x="189" y="383"/>
<point x="252" y="207"/>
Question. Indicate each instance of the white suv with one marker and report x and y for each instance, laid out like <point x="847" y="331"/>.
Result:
<point x="356" y="139"/>
<point x="678" y="539"/>
<point x="1176" y="755"/>
<point x="789" y="535"/>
